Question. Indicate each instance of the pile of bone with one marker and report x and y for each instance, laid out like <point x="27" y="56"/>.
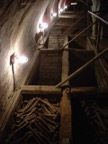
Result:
<point x="36" y="122"/>
<point x="98" y="118"/>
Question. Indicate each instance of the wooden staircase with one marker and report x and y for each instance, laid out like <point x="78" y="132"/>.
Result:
<point x="50" y="67"/>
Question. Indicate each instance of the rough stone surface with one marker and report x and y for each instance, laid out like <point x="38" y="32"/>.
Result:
<point x="18" y="26"/>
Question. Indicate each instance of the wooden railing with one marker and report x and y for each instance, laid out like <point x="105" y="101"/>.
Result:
<point x="82" y="68"/>
<point x="98" y="17"/>
<point x="90" y="61"/>
<point x="79" y="34"/>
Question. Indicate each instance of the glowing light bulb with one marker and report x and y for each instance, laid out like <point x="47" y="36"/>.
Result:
<point x="60" y="10"/>
<point x="22" y="59"/>
<point x="74" y="3"/>
<point x="44" y="25"/>
<point x="65" y="7"/>
<point x="54" y="14"/>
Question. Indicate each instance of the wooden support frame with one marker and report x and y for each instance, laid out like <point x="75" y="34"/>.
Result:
<point x="78" y="35"/>
<point x="98" y="17"/>
<point x="50" y="50"/>
<point x="88" y="90"/>
<point x="70" y="16"/>
<point x="30" y="89"/>
<point x="73" y="25"/>
<point x="65" y="124"/>
<point x="82" y="68"/>
<point x="98" y="36"/>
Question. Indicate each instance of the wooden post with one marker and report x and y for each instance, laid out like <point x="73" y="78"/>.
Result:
<point x="98" y="36"/>
<point x="65" y="125"/>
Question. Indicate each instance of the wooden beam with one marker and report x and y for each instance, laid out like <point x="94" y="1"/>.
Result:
<point x="77" y="50"/>
<point x="65" y="123"/>
<point x="98" y="17"/>
<point x="30" y="89"/>
<point x="79" y="34"/>
<point x="65" y="62"/>
<point x="88" y="90"/>
<point x="72" y="16"/>
<point x="65" y="32"/>
<point x="87" y="64"/>
<point x="50" y="50"/>
<point x="64" y="24"/>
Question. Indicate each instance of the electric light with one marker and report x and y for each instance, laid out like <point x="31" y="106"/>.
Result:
<point x="61" y="10"/>
<point x="65" y="7"/>
<point x="22" y="59"/>
<point x="74" y="3"/>
<point x="54" y="14"/>
<point x="43" y="26"/>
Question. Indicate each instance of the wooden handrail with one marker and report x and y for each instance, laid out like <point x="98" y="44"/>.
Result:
<point x="65" y="32"/>
<point x="79" y="34"/>
<point x="89" y="3"/>
<point x="81" y="68"/>
<point x="98" y="17"/>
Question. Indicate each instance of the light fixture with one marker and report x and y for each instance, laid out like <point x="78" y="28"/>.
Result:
<point x="74" y="3"/>
<point x="43" y="26"/>
<point x="65" y="7"/>
<point x="53" y="14"/>
<point x="12" y="59"/>
<point x="21" y="59"/>
<point x="60" y="10"/>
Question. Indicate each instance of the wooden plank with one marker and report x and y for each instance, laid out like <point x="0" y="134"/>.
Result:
<point x="29" y="89"/>
<point x="50" y="50"/>
<point x="71" y="16"/>
<point x="65" y="141"/>
<point x="64" y="24"/>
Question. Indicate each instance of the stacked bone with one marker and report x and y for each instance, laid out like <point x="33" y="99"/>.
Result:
<point x="36" y="122"/>
<point x="98" y="118"/>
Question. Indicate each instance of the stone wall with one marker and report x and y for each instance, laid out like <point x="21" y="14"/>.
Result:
<point x="18" y="26"/>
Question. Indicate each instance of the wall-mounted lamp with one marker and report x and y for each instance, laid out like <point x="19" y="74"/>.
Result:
<point x="43" y="26"/>
<point x="61" y="10"/>
<point x="53" y="14"/>
<point x="21" y="59"/>
<point x="74" y="3"/>
<point x="65" y="7"/>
